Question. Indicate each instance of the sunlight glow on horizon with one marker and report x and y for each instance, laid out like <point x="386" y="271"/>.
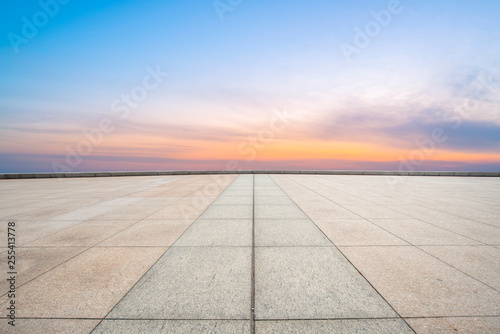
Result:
<point x="268" y="86"/>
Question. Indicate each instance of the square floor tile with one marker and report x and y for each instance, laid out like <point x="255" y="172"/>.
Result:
<point x="312" y="283"/>
<point x="192" y="283"/>
<point x="87" y="286"/>
<point x="419" y="285"/>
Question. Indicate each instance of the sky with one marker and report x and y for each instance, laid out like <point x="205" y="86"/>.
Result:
<point x="249" y="84"/>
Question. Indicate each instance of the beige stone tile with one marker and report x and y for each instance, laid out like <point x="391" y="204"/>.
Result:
<point x="489" y="221"/>
<point x="28" y="231"/>
<point x="220" y="232"/>
<point x="87" y="286"/>
<point x="469" y="325"/>
<point x="481" y="262"/>
<point x="348" y="232"/>
<point x="312" y="283"/>
<point x="417" y="284"/>
<point x="150" y="233"/>
<point x="32" y="262"/>
<point x="155" y="202"/>
<point x="173" y="326"/>
<point x="46" y="213"/>
<point x="130" y="212"/>
<point x="13" y="213"/>
<point x="178" y="213"/>
<point x="175" y="192"/>
<point x="477" y="231"/>
<point x="192" y="283"/>
<point x="370" y="210"/>
<point x="327" y="211"/>
<point x="416" y="211"/>
<point x="196" y="201"/>
<point x="420" y="233"/>
<point x="341" y="326"/>
<point x="87" y="233"/>
<point x="86" y="213"/>
<point x="53" y="326"/>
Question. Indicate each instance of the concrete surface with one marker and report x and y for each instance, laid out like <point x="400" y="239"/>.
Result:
<point x="243" y="253"/>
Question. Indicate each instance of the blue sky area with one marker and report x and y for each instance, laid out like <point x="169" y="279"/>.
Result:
<point x="364" y="84"/>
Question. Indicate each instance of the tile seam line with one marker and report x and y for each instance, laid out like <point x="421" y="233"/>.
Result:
<point x="145" y="218"/>
<point x="252" y="298"/>
<point x="440" y="227"/>
<point x="345" y="257"/>
<point x="446" y="263"/>
<point x="87" y="247"/>
<point x="389" y="208"/>
<point x="161" y="256"/>
<point x="361" y="217"/>
<point x="261" y="246"/>
<point x="409" y="243"/>
<point x="270" y="319"/>
<point x="60" y="264"/>
<point x="401" y="212"/>
<point x="84" y="221"/>
<point x="379" y="318"/>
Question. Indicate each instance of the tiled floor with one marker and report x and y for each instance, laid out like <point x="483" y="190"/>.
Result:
<point x="253" y="253"/>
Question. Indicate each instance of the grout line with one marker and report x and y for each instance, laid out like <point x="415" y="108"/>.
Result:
<point x="409" y="243"/>
<point x="50" y="269"/>
<point x="82" y="221"/>
<point x="270" y="319"/>
<point x="347" y="259"/>
<point x="252" y="306"/>
<point x="161" y="256"/>
<point x="256" y="246"/>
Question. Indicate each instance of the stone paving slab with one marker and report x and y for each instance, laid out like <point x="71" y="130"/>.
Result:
<point x="192" y="283"/>
<point x="89" y="233"/>
<point x="483" y="233"/>
<point x="53" y="326"/>
<point x="234" y="211"/>
<point x="290" y="211"/>
<point x="218" y="232"/>
<point x="149" y="233"/>
<point x="87" y="286"/>
<point x="173" y="326"/>
<point x="417" y="232"/>
<point x="419" y="285"/>
<point x="365" y="253"/>
<point x="455" y="325"/>
<point x="37" y="261"/>
<point x="375" y="326"/>
<point x="312" y="283"/>
<point x="480" y="262"/>
<point x="30" y="231"/>
<point x="288" y="232"/>
<point x="358" y="231"/>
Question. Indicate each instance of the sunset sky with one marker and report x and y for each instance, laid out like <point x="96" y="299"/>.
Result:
<point x="252" y="84"/>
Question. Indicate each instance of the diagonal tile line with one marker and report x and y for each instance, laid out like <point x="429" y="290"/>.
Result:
<point x="402" y="212"/>
<point x="260" y="320"/>
<point x="159" y="258"/>
<point x="414" y="245"/>
<point x="252" y="306"/>
<point x="345" y="257"/>
<point x="86" y="247"/>
<point x="86" y="220"/>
